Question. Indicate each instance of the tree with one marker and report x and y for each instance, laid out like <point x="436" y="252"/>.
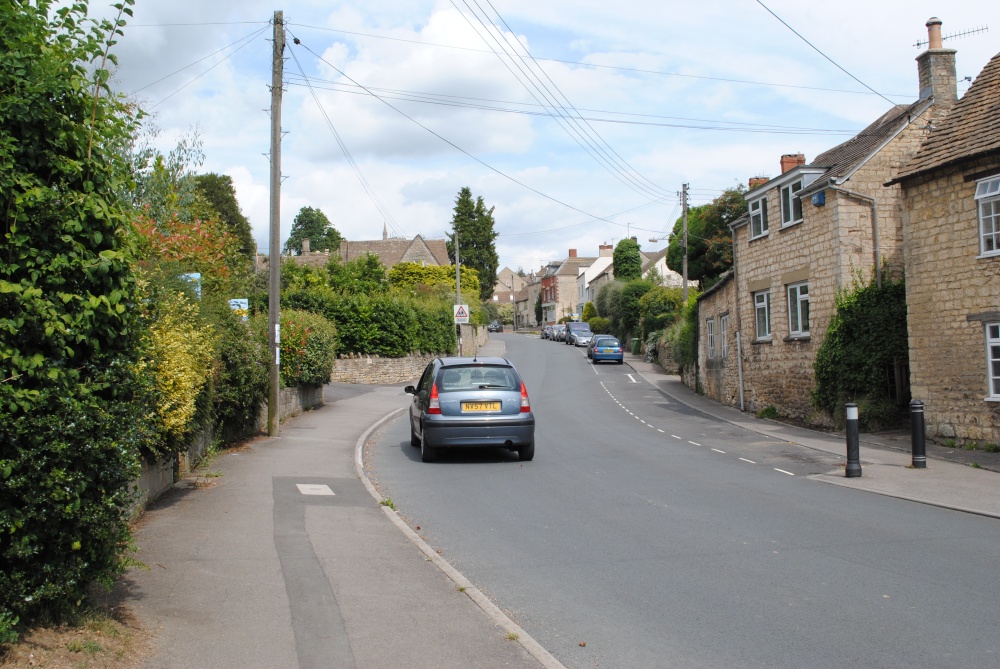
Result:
<point x="627" y="261"/>
<point x="710" y="248"/>
<point x="538" y="309"/>
<point x="473" y="224"/>
<point x="312" y="224"/>
<point x="361" y="275"/>
<point x="72" y="414"/>
<point x="219" y="192"/>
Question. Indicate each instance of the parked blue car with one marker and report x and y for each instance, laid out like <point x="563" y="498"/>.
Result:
<point x="607" y="348"/>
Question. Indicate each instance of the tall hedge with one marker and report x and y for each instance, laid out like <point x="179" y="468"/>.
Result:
<point x="69" y="430"/>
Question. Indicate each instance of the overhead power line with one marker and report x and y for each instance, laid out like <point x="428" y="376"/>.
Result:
<point x="662" y="73"/>
<point x="817" y="49"/>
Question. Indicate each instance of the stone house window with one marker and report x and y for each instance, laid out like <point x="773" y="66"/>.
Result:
<point x="710" y="334"/>
<point x="762" y="314"/>
<point x="988" y="201"/>
<point x="758" y="218"/>
<point x="993" y="359"/>
<point x="791" y="204"/>
<point x="798" y="310"/>
<point x="723" y="334"/>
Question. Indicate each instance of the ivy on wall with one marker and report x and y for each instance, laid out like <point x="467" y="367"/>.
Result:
<point x="866" y="338"/>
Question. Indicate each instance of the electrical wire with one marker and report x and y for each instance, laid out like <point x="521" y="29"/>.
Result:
<point x="448" y="141"/>
<point x="365" y="184"/>
<point x="535" y="85"/>
<point x="817" y="50"/>
<point x="240" y="48"/>
<point x="189" y="65"/>
<point x="447" y="100"/>
<point x="747" y="82"/>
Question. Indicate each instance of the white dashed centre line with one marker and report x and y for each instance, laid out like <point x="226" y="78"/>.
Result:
<point x="717" y="450"/>
<point x="675" y="436"/>
<point x="750" y="461"/>
<point x="694" y="443"/>
<point x="783" y="471"/>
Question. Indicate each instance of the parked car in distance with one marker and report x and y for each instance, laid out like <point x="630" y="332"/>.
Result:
<point x="546" y="332"/>
<point x="593" y="341"/>
<point x="471" y="402"/>
<point x="607" y="348"/>
<point x="572" y="327"/>
<point x="581" y="337"/>
<point x="558" y="333"/>
<point x="495" y="326"/>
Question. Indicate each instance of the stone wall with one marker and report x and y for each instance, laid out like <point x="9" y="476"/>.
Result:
<point x="371" y="369"/>
<point x="951" y="293"/>
<point x="718" y="374"/>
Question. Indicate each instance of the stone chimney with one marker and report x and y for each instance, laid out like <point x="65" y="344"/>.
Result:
<point x="305" y="247"/>
<point x="605" y="250"/>
<point x="572" y="253"/>
<point x="756" y="182"/>
<point x="790" y="161"/>
<point x="936" y="68"/>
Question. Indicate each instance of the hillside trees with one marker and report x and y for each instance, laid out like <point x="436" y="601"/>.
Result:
<point x="71" y="411"/>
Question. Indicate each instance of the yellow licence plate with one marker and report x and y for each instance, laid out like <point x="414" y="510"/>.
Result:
<point x="480" y="406"/>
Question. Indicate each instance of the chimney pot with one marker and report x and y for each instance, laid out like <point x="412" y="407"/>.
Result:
<point x="790" y="161"/>
<point x="936" y="68"/>
<point x="934" y="33"/>
<point x="572" y="253"/>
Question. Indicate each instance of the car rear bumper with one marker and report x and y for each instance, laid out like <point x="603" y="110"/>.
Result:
<point x="608" y="357"/>
<point x="502" y="431"/>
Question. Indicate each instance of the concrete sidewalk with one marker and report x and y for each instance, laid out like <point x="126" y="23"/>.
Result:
<point x="281" y="555"/>
<point x="886" y="468"/>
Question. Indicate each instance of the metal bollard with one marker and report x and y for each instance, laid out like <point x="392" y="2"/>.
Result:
<point x="853" y="469"/>
<point x="917" y="434"/>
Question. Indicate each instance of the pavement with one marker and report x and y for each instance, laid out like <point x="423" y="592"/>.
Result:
<point x="284" y="554"/>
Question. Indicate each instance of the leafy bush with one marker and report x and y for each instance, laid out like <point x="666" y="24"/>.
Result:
<point x="242" y="377"/>
<point x="683" y="334"/>
<point x="409" y="274"/>
<point x="308" y="347"/>
<point x="69" y="430"/>
<point x="630" y="309"/>
<point x="599" y="325"/>
<point x="866" y="337"/>
<point x="589" y="311"/>
<point x="660" y="307"/>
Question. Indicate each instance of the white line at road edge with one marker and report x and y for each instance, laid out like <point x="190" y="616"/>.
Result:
<point x="535" y="649"/>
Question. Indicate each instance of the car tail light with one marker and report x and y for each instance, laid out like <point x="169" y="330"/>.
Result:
<point x="525" y="405"/>
<point x="434" y="406"/>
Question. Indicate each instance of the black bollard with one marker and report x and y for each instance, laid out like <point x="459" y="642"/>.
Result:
<point x="853" y="469"/>
<point x="917" y="434"/>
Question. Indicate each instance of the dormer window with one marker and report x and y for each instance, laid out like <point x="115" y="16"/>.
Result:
<point x="791" y="204"/>
<point x="758" y="218"/>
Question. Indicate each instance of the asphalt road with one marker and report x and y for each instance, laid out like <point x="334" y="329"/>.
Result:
<point x="648" y="535"/>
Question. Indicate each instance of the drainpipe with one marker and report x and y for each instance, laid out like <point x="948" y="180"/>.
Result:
<point x="874" y="207"/>
<point x="739" y="321"/>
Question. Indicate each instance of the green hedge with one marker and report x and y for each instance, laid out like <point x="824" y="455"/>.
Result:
<point x="241" y="382"/>
<point x="308" y="346"/>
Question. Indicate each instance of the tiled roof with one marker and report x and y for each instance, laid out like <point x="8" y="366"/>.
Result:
<point x="653" y="258"/>
<point x="571" y="266"/>
<point x="393" y="251"/>
<point x="843" y="158"/>
<point x="971" y="129"/>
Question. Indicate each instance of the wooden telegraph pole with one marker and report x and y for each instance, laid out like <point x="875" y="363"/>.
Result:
<point x="274" y="250"/>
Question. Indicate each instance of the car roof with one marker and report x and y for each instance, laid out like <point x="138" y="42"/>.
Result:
<point x="466" y="361"/>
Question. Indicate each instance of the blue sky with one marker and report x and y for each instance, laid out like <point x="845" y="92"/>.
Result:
<point x="707" y="94"/>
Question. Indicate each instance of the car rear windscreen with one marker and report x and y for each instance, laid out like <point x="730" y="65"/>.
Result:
<point x="478" y="377"/>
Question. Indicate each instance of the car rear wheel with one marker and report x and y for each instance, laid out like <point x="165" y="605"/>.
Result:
<point x="427" y="453"/>
<point x="526" y="453"/>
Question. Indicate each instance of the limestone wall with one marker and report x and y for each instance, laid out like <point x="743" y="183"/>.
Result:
<point x="951" y="292"/>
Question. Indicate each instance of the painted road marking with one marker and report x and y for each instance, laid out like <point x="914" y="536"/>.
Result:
<point x="750" y="461"/>
<point x="716" y="450"/>
<point x="783" y="471"/>
<point x="631" y="379"/>
<point x="314" y="489"/>
<point x="694" y="443"/>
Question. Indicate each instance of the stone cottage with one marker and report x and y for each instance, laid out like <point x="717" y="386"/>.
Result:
<point x="951" y="247"/>
<point x="815" y="229"/>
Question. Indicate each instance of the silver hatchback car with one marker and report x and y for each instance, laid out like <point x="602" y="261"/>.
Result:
<point x="471" y="402"/>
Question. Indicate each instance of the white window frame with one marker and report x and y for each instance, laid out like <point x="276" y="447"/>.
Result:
<point x="993" y="361"/>
<point x="758" y="218"/>
<point x="791" y="204"/>
<point x="723" y="333"/>
<point x="988" y="208"/>
<point x="798" y="309"/>
<point x="710" y="335"/>
<point x="762" y="304"/>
